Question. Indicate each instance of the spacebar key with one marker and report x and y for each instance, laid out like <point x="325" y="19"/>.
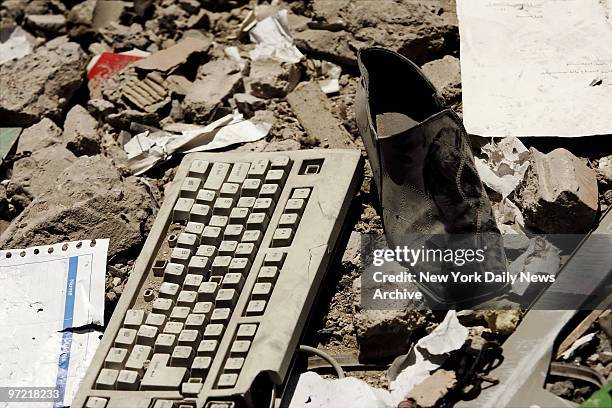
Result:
<point x="161" y="377"/>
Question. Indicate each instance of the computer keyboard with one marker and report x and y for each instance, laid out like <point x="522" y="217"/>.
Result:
<point x="215" y="307"/>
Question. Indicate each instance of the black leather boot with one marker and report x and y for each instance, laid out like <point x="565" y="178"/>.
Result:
<point x="424" y="172"/>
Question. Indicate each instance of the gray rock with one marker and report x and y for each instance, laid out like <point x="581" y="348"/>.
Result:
<point x="4" y="202"/>
<point x="415" y="29"/>
<point x="247" y="104"/>
<point x="81" y="132"/>
<point x="124" y="118"/>
<point x="218" y="80"/>
<point x="83" y="13"/>
<point x="89" y="200"/>
<point x="53" y="23"/>
<point x="270" y="78"/>
<point x="33" y="175"/>
<point x="559" y="194"/>
<point x="100" y="107"/>
<point x="604" y="170"/>
<point x="43" y="134"/>
<point x="54" y="72"/>
<point x="445" y="74"/>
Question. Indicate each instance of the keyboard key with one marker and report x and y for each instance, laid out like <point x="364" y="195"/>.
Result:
<point x="257" y="221"/>
<point x="191" y="389"/>
<point x="195" y="228"/>
<point x="165" y="343"/>
<point x="276" y="177"/>
<point x="139" y="355"/>
<point x="203" y="307"/>
<point x="206" y="197"/>
<point x="192" y="281"/>
<point x="252" y="236"/>
<point x="256" y="307"/>
<point x="295" y="205"/>
<point x="240" y="266"/>
<point x="229" y="190"/>
<point x="199" y="265"/>
<point x="246" y="331"/>
<point x="133" y="318"/>
<point x="189" y="338"/>
<point x="223" y="206"/>
<point x="190" y="187"/>
<point x="160" y="377"/>
<point x="207" y="251"/>
<point x="220" y="265"/>
<point x="162" y="306"/>
<point x="267" y="274"/>
<point x="246" y="250"/>
<point x="221" y="315"/>
<point x="239" y="173"/>
<point x="169" y="290"/>
<point x="146" y="335"/>
<point x="220" y="221"/>
<point x="187" y="298"/>
<point x="107" y="379"/>
<point x="158" y="267"/>
<point x="211" y="236"/>
<point x="233" y="281"/>
<point x="182" y="209"/>
<point x="264" y="205"/>
<point x="282" y="237"/>
<point x="217" y="176"/>
<point x="207" y="291"/>
<point x="126" y="338"/>
<point x="227" y="380"/>
<point x="200" y="366"/>
<point x="233" y="232"/>
<point x="116" y="358"/>
<point x="200" y="213"/>
<point x="226" y="298"/>
<point x="180" y="256"/>
<point x="262" y="291"/>
<point x="196" y="321"/>
<point x="182" y="356"/>
<point x="302" y="193"/>
<point x="199" y="169"/>
<point x="270" y="191"/>
<point x="96" y="402"/>
<point x="258" y="169"/>
<point x="227" y="248"/>
<point x="179" y="313"/>
<point x="155" y="319"/>
<point x="207" y="347"/>
<point x="128" y="380"/>
<point x="281" y="163"/>
<point x="289" y="221"/>
<point x="213" y="332"/>
<point x="250" y="188"/>
<point x="174" y="272"/>
<point x="239" y="216"/>
<point x="240" y="347"/>
<point x="246" y="202"/>
<point x="234" y="364"/>
<point x="187" y="241"/>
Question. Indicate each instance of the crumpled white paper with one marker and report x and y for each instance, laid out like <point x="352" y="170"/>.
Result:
<point x="147" y="149"/>
<point x="577" y="344"/>
<point x="312" y="391"/>
<point x="17" y="46"/>
<point x="541" y="257"/>
<point x="274" y="40"/>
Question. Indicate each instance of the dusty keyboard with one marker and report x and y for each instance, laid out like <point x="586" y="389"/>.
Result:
<point x="218" y="299"/>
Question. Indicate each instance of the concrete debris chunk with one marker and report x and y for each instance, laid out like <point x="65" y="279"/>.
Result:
<point x="124" y="118"/>
<point x="271" y="78"/>
<point x="43" y="134"/>
<point x="247" y="104"/>
<point x="427" y="393"/>
<point x="559" y="195"/>
<point x="412" y="28"/>
<point x="219" y="80"/>
<point x="445" y="74"/>
<point x="54" y="72"/>
<point x="52" y="23"/>
<point x="83" y="13"/>
<point x="502" y="321"/>
<point x="172" y="57"/>
<point x="81" y="132"/>
<point x="89" y="198"/>
<point x="309" y="104"/>
<point x="108" y="11"/>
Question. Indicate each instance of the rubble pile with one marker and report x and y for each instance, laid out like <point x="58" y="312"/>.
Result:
<point x="87" y="77"/>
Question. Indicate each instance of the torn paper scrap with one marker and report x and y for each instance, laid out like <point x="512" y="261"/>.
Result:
<point x="46" y="293"/>
<point x="577" y="344"/>
<point x="450" y="335"/>
<point x="149" y="148"/>
<point x="331" y="72"/>
<point x="17" y="46"/>
<point x="505" y="167"/>
<point x="274" y="40"/>
<point x="528" y="68"/>
<point x="540" y="257"/>
<point x="313" y="391"/>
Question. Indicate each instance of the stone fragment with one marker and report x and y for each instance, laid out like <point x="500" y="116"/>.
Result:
<point x="34" y="174"/>
<point x="43" y="134"/>
<point x="282" y="145"/>
<point x="414" y="29"/>
<point x="54" y="72"/>
<point x="124" y="118"/>
<point x="89" y="200"/>
<point x="81" y="132"/>
<point x="218" y="80"/>
<point x="604" y="170"/>
<point x="83" y="13"/>
<point x="52" y="23"/>
<point x="502" y="321"/>
<point x="247" y="104"/>
<point x="100" y="107"/>
<point x="270" y="78"/>
<point x="445" y="74"/>
<point x="559" y="194"/>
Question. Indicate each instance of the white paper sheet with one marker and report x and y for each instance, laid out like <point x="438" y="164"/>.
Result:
<point x="536" y="68"/>
<point x="43" y="295"/>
